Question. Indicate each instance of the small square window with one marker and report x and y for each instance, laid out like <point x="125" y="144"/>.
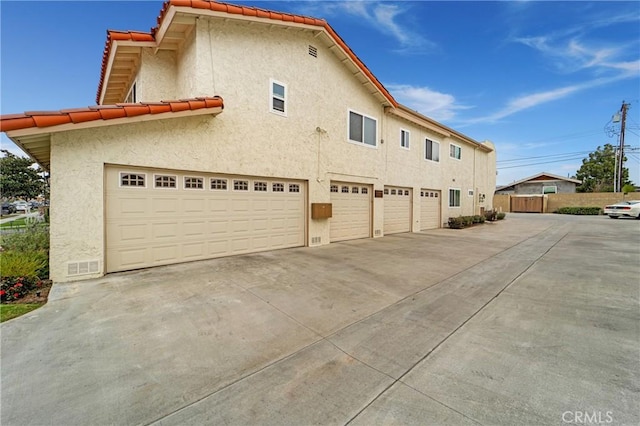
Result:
<point x="345" y="190"/>
<point x="435" y="194"/>
<point x="364" y="190"/>
<point x="334" y="188"/>
<point x="406" y="192"/>
<point x="219" y="184"/>
<point x="422" y="193"/>
<point x="393" y="192"/>
<point x="260" y="186"/>
<point x="132" y="179"/>
<point x="386" y="191"/>
<point x="193" y="183"/>
<point x="240" y="185"/>
<point x="162" y="181"/>
<point x="470" y="192"/>
<point x="355" y="190"/>
<point x="294" y="187"/>
<point x="277" y="187"/>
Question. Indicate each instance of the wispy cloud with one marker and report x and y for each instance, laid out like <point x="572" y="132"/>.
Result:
<point x="437" y="105"/>
<point x="382" y="16"/>
<point x="570" y="52"/>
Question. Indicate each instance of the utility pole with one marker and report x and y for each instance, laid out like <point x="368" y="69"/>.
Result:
<point x="623" y="119"/>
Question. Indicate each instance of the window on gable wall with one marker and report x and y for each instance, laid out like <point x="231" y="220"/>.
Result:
<point x="432" y="150"/>
<point x="362" y="129"/>
<point x="455" y="151"/>
<point x="278" y="98"/>
<point x="404" y="138"/>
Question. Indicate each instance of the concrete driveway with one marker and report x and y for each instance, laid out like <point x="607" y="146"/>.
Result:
<point x="532" y="320"/>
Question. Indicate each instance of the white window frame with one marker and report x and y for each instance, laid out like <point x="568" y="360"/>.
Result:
<point x="459" y="198"/>
<point x="122" y="173"/>
<point x="364" y="117"/>
<point x="175" y="177"/>
<point x="184" y="183"/>
<point x="273" y="96"/>
<point x="555" y="189"/>
<point x="212" y="179"/>
<point x="405" y="136"/>
<point x="458" y="149"/>
<point x="433" y="143"/>
<point x="470" y="192"/>
<point x="132" y="95"/>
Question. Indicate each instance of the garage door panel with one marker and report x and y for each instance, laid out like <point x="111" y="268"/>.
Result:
<point x="148" y="226"/>
<point x="397" y="210"/>
<point x="351" y="212"/>
<point x="430" y="209"/>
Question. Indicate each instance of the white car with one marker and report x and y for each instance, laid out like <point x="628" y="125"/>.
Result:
<point x="629" y="208"/>
<point x="22" y="206"/>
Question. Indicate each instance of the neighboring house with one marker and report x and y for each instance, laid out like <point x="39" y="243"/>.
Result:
<point x="542" y="183"/>
<point x="307" y="148"/>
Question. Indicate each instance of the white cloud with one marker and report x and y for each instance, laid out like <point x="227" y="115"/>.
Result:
<point x="381" y="16"/>
<point x="437" y="105"/>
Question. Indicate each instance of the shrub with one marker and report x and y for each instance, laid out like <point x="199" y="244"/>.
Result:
<point x="478" y="219"/>
<point x="33" y="238"/>
<point x="456" y="222"/>
<point x="14" y="288"/>
<point x="491" y="215"/>
<point x="501" y="215"/>
<point x="24" y="264"/>
<point x="580" y="210"/>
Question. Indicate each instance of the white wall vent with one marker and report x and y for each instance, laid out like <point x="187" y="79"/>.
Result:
<point x="378" y="232"/>
<point x="313" y="51"/>
<point x="83" y="268"/>
<point x="316" y="240"/>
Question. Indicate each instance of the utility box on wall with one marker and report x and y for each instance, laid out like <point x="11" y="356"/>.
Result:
<point x="321" y="210"/>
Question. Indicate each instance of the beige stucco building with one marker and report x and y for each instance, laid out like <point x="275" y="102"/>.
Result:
<point x="276" y="126"/>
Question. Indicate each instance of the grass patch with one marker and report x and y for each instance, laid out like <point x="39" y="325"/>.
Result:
<point x="14" y="310"/>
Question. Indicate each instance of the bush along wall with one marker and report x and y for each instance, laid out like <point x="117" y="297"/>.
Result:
<point x="593" y="211"/>
<point x="466" y="221"/>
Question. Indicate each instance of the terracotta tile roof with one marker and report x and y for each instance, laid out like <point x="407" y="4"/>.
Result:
<point x="30" y="119"/>
<point x="234" y="10"/>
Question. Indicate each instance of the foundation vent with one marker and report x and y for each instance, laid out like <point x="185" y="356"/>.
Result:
<point x="378" y="232"/>
<point x="316" y="240"/>
<point x="83" y="268"/>
<point x="313" y="51"/>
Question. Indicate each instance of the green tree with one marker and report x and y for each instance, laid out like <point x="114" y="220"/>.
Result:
<point x="598" y="170"/>
<point x="18" y="178"/>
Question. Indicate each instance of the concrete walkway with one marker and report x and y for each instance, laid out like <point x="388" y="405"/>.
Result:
<point x="532" y="320"/>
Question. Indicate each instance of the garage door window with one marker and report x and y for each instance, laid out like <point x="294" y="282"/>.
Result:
<point x="240" y="185"/>
<point x="260" y="186"/>
<point x="345" y="190"/>
<point x="277" y="187"/>
<point x="163" y="181"/>
<point x="355" y="190"/>
<point x="132" y="179"/>
<point x="294" y="187"/>
<point x="219" y="184"/>
<point x="193" y="183"/>
<point x="334" y="188"/>
<point x="365" y="190"/>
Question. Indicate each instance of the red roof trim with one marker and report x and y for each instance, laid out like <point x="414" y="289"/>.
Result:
<point x="31" y="119"/>
<point x="234" y="10"/>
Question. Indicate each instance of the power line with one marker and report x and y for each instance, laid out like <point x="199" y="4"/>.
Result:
<point x="543" y="156"/>
<point x="542" y="162"/>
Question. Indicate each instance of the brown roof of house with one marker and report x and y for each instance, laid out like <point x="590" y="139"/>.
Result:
<point x="233" y="10"/>
<point x="103" y="112"/>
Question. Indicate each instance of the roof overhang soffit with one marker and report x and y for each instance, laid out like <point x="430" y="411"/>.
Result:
<point x="122" y="67"/>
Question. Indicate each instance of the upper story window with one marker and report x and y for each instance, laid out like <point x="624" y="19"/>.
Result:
<point x="404" y="138"/>
<point x="455" y="151"/>
<point x="362" y="129"/>
<point x="431" y="150"/>
<point x="278" y="97"/>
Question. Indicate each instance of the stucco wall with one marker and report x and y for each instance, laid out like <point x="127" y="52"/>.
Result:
<point x="536" y="187"/>
<point x="310" y="143"/>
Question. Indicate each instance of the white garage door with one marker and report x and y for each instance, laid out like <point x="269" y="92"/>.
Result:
<point x="429" y="209"/>
<point x="351" y="211"/>
<point x="397" y="210"/>
<point x="159" y="217"/>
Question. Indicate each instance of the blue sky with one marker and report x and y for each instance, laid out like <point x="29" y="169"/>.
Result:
<point x="540" y="79"/>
